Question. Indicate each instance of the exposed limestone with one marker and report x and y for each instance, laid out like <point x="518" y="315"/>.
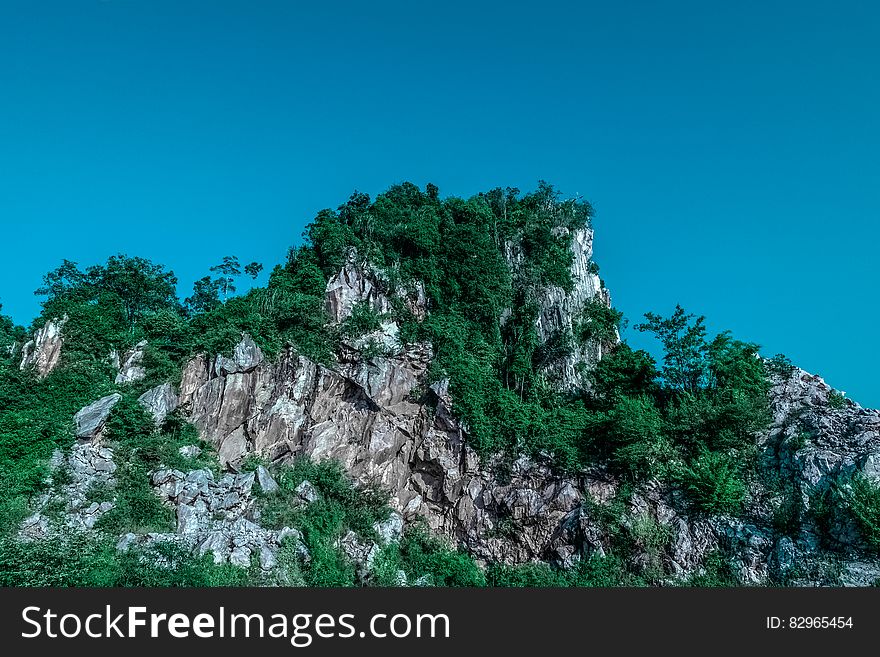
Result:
<point x="128" y="364"/>
<point x="265" y="480"/>
<point x="160" y="401"/>
<point x="217" y="516"/>
<point x="561" y="310"/>
<point x="89" y="472"/>
<point x="389" y="425"/>
<point x="91" y="419"/>
<point x="356" y="283"/>
<point x="43" y="352"/>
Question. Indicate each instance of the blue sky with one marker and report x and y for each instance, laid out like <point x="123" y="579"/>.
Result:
<point x="730" y="149"/>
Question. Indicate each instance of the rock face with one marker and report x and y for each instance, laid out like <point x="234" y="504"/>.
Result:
<point x="358" y="283"/>
<point x="160" y="401"/>
<point x="91" y="419"/>
<point x="90" y="468"/>
<point x="390" y="425"/>
<point x="217" y="516"/>
<point x="382" y="421"/>
<point x="43" y="353"/>
<point x="128" y="364"/>
<point x="561" y="310"/>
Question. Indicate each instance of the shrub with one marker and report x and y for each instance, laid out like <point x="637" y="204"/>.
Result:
<point x="714" y="482"/>
<point x="836" y="400"/>
<point x="424" y="555"/>
<point x="632" y="431"/>
<point x="598" y="322"/>
<point x="862" y="499"/>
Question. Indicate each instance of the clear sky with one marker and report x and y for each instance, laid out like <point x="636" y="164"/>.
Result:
<point x="729" y="148"/>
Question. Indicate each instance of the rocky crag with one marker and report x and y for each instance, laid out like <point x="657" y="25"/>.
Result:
<point x="388" y="425"/>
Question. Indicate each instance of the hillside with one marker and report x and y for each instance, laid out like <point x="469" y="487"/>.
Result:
<point x="428" y="392"/>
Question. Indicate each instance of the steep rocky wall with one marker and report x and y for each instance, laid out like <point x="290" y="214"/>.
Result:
<point x="390" y="426"/>
<point x="560" y="310"/>
<point x="43" y="352"/>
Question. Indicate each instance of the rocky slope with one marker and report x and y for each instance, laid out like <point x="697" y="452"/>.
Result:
<point x="390" y="426"/>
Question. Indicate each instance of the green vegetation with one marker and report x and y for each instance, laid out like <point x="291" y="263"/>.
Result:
<point x="859" y="496"/>
<point x="485" y="263"/>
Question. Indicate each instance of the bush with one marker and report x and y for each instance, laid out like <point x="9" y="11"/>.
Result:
<point x="424" y="555"/>
<point x="862" y="498"/>
<point x="714" y="483"/>
<point x="599" y="322"/>
<point x="632" y="431"/>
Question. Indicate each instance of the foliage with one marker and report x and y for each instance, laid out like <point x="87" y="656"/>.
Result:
<point x="10" y="334"/>
<point x="340" y="507"/>
<point x="599" y="322"/>
<point x="35" y="419"/>
<point x="79" y="559"/>
<point x="624" y="372"/>
<point x="429" y="561"/>
<point x="631" y="431"/>
<point x="138" y="450"/>
<point x="836" y="399"/>
<point x="714" y="482"/>
<point x="362" y="320"/>
<point x="227" y="271"/>
<point x="861" y="497"/>
<point x="717" y="572"/>
<point x="485" y="262"/>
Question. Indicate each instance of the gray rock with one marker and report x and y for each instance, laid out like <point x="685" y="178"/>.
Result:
<point x="90" y="420"/>
<point x="560" y="310"/>
<point x="129" y="364"/>
<point x="390" y="530"/>
<point x="190" y="451"/>
<point x="233" y="448"/>
<point x="267" y="483"/>
<point x="240" y="556"/>
<point x="290" y="533"/>
<point x="126" y="542"/>
<point x="188" y="519"/>
<point x="217" y="543"/>
<point x="267" y="558"/>
<point x="160" y="401"/>
<point x="307" y="492"/>
<point x="245" y="357"/>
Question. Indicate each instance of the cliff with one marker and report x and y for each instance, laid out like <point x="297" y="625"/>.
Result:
<point x="383" y="409"/>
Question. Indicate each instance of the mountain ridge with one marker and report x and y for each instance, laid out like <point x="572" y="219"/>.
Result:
<point x="490" y="399"/>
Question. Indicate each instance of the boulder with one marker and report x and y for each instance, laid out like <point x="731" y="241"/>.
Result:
<point x="160" y="401"/>
<point x="129" y="364"/>
<point x="307" y="492"/>
<point x="90" y="420"/>
<point x="245" y="357"/>
<point x="267" y="483"/>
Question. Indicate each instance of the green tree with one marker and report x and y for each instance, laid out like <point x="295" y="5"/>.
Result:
<point x="205" y="296"/>
<point x="633" y="432"/>
<point x="253" y="269"/>
<point x="624" y="372"/>
<point x="62" y="281"/>
<point x="227" y="271"/>
<point x="683" y="336"/>
<point x="137" y="285"/>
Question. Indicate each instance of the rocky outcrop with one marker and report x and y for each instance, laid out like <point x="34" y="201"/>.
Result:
<point x="89" y="472"/>
<point x="91" y="419"/>
<point x="128" y="364"/>
<point x="160" y="401"/>
<point x="560" y="310"/>
<point x="390" y="425"/>
<point x="217" y="516"/>
<point x="43" y="352"/>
